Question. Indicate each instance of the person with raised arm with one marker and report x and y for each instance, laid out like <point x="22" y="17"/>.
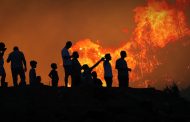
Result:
<point x="86" y="75"/>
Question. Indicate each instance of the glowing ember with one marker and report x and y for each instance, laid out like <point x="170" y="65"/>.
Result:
<point x="157" y="25"/>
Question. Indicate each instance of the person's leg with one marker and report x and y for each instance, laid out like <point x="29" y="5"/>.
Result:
<point x="15" y="77"/>
<point x="78" y="81"/>
<point x="127" y="82"/>
<point x="110" y="80"/>
<point x="53" y="83"/>
<point x="105" y="78"/>
<point x="67" y="74"/>
<point x="107" y="82"/>
<point x="73" y="82"/>
<point x="56" y="84"/>
<point x="122" y="82"/>
<point x="3" y="76"/>
<point x="22" y="76"/>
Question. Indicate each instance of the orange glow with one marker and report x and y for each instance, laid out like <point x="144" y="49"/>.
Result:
<point x="157" y="25"/>
<point x="154" y="33"/>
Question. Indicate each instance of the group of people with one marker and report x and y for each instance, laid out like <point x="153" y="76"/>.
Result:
<point x="81" y="75"/>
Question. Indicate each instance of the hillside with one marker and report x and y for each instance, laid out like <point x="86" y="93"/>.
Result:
<point x="88" y="105"/>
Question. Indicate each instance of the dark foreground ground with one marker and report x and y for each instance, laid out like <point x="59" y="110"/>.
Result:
<point x="91" y="105"/>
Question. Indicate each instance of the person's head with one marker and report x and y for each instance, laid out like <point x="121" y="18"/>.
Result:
<point x="2" y="46"/>
<point x="75" y="54"/>
<point x="68" y="44"/>
<point x="16" y="48"/>
<point x="33" y="64"/>
<point x="108" y="57"/>
<point x="94" y="75"/>
<point x="54" y="66"/>
<point x="123" y="54"/>
<point x="85" y="67"/>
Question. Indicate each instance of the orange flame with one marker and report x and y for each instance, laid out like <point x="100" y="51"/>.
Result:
<point x="157" y="24"/>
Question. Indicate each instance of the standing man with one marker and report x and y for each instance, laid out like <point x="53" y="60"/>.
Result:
<point x="2" y="70"/>
<point x="123" y="70"/>
<point x="67" y="63"/>
<point x="18" y="66"/>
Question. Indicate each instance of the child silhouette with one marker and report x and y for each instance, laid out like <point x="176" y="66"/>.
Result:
<point x="32" y="73"/>
<point x="54" y="75"/>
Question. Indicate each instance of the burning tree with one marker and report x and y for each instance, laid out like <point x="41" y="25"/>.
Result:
<point x="157" y="25"/>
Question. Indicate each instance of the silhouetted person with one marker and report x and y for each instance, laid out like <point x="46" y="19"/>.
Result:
<point x="76" y="70"/>
<point x="2" y="70"/>
<point x="32" y="73"/>
<point x="86" y="75"/>
<point x="96" y="81"/>
<point x="122" y="68"/>
<point x="108" y="76"/>
<point x="54" y="75"/>
<point x="67" y="61"/>
<point x="18" y="66"/>
<point x="39" y="81"/>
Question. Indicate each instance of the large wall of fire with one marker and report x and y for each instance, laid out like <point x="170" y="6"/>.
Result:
<point x="155" y="34"/>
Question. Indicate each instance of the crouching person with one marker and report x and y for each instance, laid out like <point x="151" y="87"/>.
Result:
<point x="34" y="80"/>
<point x="96" y="81"/>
